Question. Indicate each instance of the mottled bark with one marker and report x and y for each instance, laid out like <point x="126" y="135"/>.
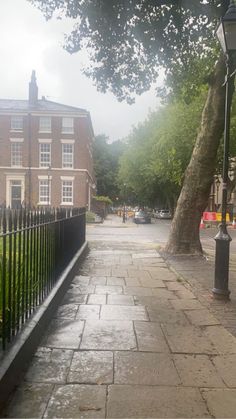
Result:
<point x="184" y="235"/>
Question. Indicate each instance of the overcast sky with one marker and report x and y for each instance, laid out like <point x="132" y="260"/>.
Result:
<point x="29" y="42"/>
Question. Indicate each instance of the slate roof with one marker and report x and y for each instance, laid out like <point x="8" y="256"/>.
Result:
<point x="42" y="105"/>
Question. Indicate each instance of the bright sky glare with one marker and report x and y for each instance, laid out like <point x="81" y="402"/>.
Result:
<point x="29" y="42"/>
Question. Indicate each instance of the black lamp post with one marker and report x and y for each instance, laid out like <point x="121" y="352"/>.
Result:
<point x="226" y="33"/>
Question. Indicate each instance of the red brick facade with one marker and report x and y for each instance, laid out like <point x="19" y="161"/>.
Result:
<point x="25" y="147"/>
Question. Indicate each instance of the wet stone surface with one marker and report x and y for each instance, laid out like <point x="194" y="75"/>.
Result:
<point x="110" y="335"/>
<point x="50" y="365"/>
<point x="134" y="401"/>
<point x="68" y="311"/>
<point x="150" y="337"/>
<point x="197" y="371"/>
<point x="115" y="312"/>
<point x="94" y="367"/>
<point x="86" y="312"/>
<point x="77" y="401"/>
<point x="145" y="368"/>
<point x="121" y="300"/>
<point x="63" y="333"/>
<point x="129" y="340"/>
<point x="188" y="339"/>
<point x="29" y="401"/>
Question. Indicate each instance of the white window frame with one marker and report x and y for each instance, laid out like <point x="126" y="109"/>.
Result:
<point x="16" y="126"/>
<point x="67" y="125"/>
<point x="65" y="183"/>
<point x="68" y="164"/>
<point x="45" y="127"/>
<point x="44" y="182"/>
<point x="9" y="178"/>
<point x="16" y="154"/>
<point x="43" y="154"/>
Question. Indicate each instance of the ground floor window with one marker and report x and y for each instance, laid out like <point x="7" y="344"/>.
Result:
<point x="44" y="192"/>
<point x="67" y="192"/>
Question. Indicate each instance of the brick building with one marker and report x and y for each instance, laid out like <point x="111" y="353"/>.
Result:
<point x="45" y="153"/>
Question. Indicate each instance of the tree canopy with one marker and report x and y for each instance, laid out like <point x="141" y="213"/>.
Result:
<point x="106" y="160"/>
<point x="159" y="151"/>
<point x="128" y="40"/>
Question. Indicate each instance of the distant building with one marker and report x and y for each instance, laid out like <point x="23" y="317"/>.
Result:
<point x="45" y="153"/>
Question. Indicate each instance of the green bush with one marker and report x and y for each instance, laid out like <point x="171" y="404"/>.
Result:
<point x="90" y="217"/>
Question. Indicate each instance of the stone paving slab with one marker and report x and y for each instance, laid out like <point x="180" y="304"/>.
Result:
<point x="86" y="312"/>
<point x="138" y="291"/>
<point x="81" y="280"/>
<point x="145" y="369"/>
<point x="148" y="254"/>
<point x="138" y="273"/>
<point x="30" y="401"/>
<point x="68" y="311"/>
<point x="226" y="366"/>
<point x="188" y="339"/>
<point x="97" y="299"/>
<point x="223" y="341"/>
<point x="74" y="297"/>
<point x="115" y="312"/>
<point x="167" y="315"/>
<point x="91" y="367"/>
<point x="163" y="293"/>
<point x="77" y="401"/>
<point x="64" y="333"/>
<point x="197" y="371"/>
<point x="82" y="289"/>
<point x="201" y="317"/>
<point x="110" y="335"/>
<point x="221" y="402"/>
<point x="175" y="286"/>
<point x="115" y="281"/>
<point x="49" y="365"/>
<point x="152" y="283"/>
<point x="98" y="280"/>
<point x="126" y="401"/>
<point x="162" y="273"/>
<point x="132" y="282"/>
<point x="186" y="304"/>
<point x="150" y="337"/>
<point x="105" y="289"/>
<point x="121" y="300"/>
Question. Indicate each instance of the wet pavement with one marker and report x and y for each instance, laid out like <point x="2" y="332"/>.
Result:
<point x="132" y="338"/>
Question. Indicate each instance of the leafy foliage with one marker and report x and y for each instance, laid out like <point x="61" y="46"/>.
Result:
<point x="104" y="199"/>
<point x="106" y="160"/>
<point x="128" y="40"/>
<point x="158" y="152"/>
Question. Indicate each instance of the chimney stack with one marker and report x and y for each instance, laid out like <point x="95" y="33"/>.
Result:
<point x="33" y="90"/>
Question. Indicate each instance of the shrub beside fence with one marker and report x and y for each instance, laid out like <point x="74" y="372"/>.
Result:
<point x="35" y="247"/>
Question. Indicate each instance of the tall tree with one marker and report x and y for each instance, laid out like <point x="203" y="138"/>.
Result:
<point x="106" y="157"/>
<point x="159" y="151"/>
<point x="128" y="40"/>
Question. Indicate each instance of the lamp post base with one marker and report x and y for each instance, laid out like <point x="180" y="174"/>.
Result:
<point x="220" y="294"/>
<point x="222" y="239"/>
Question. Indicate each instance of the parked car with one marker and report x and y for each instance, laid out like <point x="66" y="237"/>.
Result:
<point x="164" y="214"/>
<point x="142" y="217"/>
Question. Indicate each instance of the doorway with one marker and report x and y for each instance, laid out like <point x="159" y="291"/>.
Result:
<point x="16" y="190"/>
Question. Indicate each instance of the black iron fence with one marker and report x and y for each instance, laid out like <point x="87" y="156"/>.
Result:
<point x="35" y="247"/>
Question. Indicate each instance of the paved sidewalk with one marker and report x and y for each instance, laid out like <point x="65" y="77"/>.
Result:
<point x="199" y="274"/>
<point x="130" y="340"/>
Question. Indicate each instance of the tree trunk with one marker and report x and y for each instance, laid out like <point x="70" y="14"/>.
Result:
<point x="184" y="235"/>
